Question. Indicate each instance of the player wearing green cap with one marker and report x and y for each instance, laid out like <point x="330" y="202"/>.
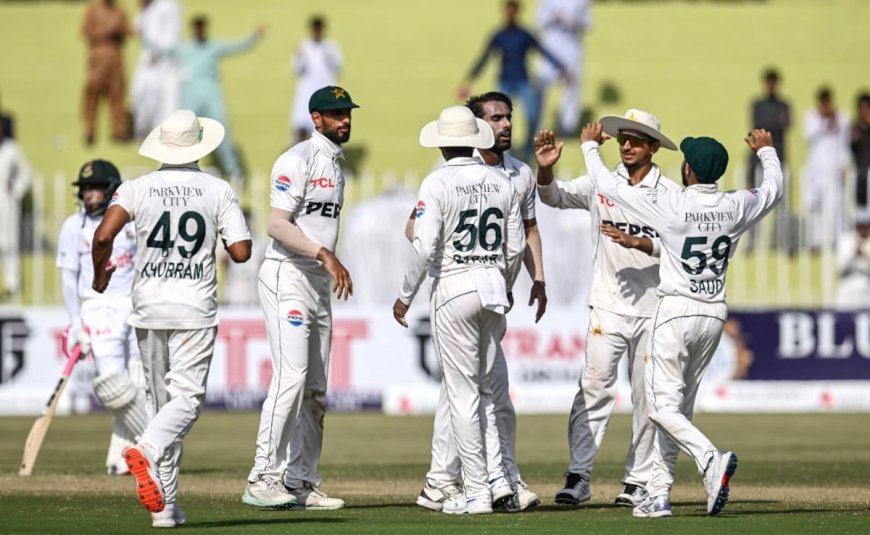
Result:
<point x="294" y="286"/>
<point x="699" y="227"/>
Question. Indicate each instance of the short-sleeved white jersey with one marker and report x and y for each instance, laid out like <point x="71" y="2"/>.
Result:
<point x="624" y="280"/>
<point x="699" y="226"/>
<point x="74" y="254"/>
<point x="467" y="217"/>
<point x="523" y="180"/>
<point x="308" y="182"/>
<point x="179" y="213"/>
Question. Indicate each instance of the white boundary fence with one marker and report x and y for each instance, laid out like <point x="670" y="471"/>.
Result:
<point x="780" y="270"/>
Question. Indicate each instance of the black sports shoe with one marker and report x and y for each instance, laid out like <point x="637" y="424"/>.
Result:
<point x="576" y="490"/>
<point x="631" y="496"/>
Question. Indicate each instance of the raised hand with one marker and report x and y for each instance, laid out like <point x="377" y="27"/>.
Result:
<point x="758" y="138"/>
<point x="592" y="132"/>
<point x="547" y="151"/>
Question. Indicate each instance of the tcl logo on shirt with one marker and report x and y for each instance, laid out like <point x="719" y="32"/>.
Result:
<point x="326" y="209"/>
<point x="322" y="182"/>
<point x="605" y="201"/>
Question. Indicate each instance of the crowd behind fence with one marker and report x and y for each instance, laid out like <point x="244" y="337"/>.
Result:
<point x="779" y="267"/>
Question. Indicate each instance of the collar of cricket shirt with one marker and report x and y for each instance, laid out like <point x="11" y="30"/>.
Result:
<point x="651" y="180"/>
<point x="704" y="188"/>
<point x="464" y="160"/>
<point x="506" y="165"/>
<point x="327" y="146"/>
<point x="192" y="166"/>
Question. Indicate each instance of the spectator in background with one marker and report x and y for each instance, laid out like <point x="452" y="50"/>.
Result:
<point x="771" y="113"/>
<point x="155" y="85"/>
<point x="861" y="149"/>
<point x="201" y="87"/>
<point x="15" y="180"/>
<point x="514" y="43"/>
<point x="853" y="261"/>
<point x="317" y="62"/>
<point x="105" y="28"/>
<point x="562" y="24"/>
<point x="826" y="131"/>
<point x="6" y="125"/>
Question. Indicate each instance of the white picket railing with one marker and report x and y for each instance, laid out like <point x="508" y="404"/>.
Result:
<point x="769" y="275"/>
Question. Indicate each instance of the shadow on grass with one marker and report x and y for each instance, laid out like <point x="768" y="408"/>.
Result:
<point x="264" y="522"/>
<point x="403" y="505"/>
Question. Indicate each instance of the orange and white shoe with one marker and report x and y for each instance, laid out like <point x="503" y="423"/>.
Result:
<point x="148" y="486"/>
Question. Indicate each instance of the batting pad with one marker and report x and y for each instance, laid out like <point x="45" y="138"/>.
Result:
<point x="119" y="395"/>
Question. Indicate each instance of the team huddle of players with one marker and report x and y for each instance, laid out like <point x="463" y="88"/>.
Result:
<point x="471" y="231"/>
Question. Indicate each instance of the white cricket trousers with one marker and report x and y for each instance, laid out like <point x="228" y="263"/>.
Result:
<point x="502" y="438"/>
<point x="298" y="314"/>
<point x="465" y="337"/>
<point x="176" y="364"/>
<point x="685" y="336"/>
<point x="610" y="336"/>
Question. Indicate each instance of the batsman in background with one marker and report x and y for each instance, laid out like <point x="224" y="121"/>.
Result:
<point x="496" y="109"/>
<point x="468" y="235"/>
<point x="294" y="287"/>
<point x="98" y="322"/>
<point x="179" y="213"/>
<point x="624" y="279"/>
<point x="700" y="227"/>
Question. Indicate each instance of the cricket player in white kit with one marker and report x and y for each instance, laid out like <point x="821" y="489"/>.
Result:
<point x="508" y="488"/>
<point x="622" y="301"/>
<point x="468" y="233"/>
<point x="306" y="200"/>
<point x="700" y="227"/>
<point x="98" y="322"/>
<point x="179" y="213"/>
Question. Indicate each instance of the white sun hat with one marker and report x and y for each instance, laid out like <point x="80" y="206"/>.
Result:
<point x="639" y="121"/>
<point x="457" y="127"/>
<point x="182" y="138"/>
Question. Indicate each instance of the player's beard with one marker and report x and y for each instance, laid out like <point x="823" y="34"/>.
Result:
<point x="502" y="142"/>
<point x="337" y="136"/>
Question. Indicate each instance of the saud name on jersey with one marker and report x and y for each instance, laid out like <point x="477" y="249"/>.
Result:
<point x="175" y="195"/>
<point x="172" y="270"/>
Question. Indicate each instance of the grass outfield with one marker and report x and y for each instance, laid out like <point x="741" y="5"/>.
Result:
<point x="797" y="474"/>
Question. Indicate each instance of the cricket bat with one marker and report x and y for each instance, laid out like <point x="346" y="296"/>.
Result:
<point x="40" y="426"/>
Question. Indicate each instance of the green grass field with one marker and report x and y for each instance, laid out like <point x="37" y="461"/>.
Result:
<point x="797" y="474"/>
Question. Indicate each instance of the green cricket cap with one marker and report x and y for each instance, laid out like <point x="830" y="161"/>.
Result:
<point x="707" y="157"/>
<point x="330" y="97"/>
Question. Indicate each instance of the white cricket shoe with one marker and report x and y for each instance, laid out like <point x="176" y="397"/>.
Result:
<point x="576" y="490"/>
<point x="717" y="478"/>
<point x="433" y="498"/>
<point x="522" y="500"/>
<point x="149" y="489"/>
<point x="169" y="517"/>
<point x="631" y="496"/>
<point x="268" y="493"/>
<point x="460" y="505"/>
<point x="501" y="490"/>
<point x="310" y="497"/>
<point x="653" y="507"/>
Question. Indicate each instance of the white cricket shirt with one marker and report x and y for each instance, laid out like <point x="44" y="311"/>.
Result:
<point x="699" y="226"/>
<point x="467" y="218"/>
<point x="179" y="212"/>
<point x="74" y="254"/>
<point x="523" y="180"/>
<point x="307" y="181"/>
<point x="624" y="280"/>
